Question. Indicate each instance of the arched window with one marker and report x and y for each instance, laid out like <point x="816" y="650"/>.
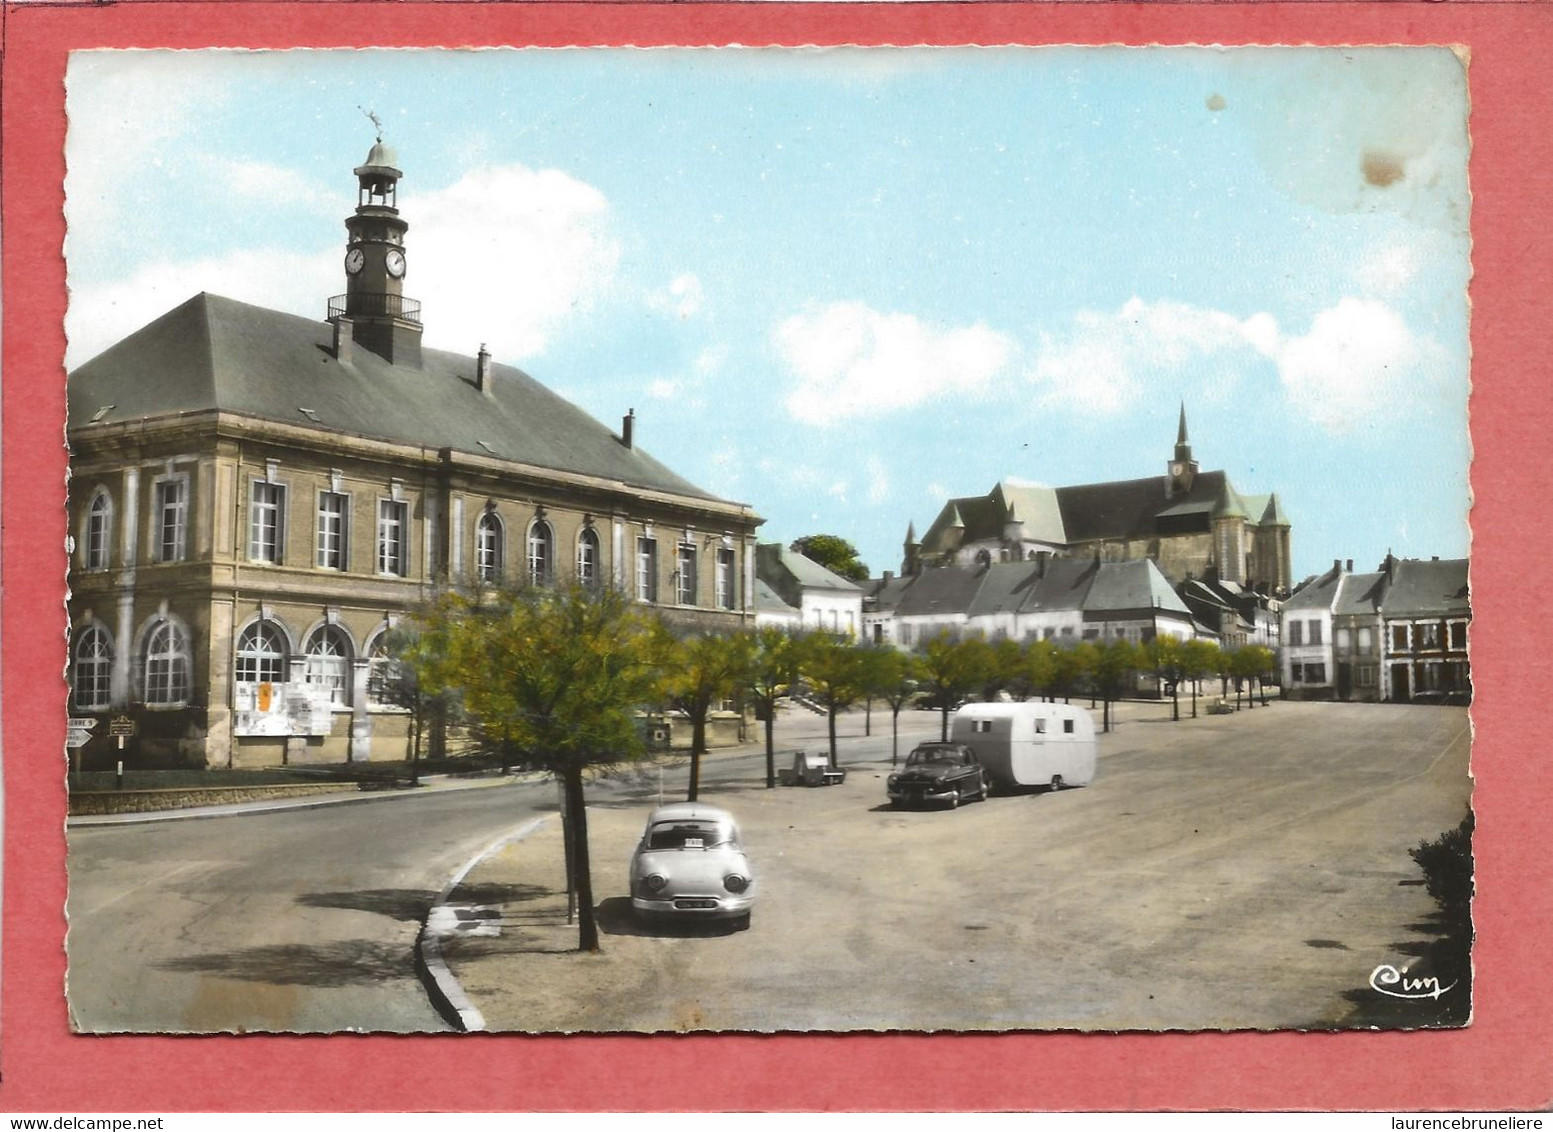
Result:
<point x="99" y="531"/>
<point x="329" y="662"/>
<point x="983" y="557"/>
<point x="541" y="552"/>
<point x="488" y="547"/>
<point x="261" y="654"/>
<point x="167" y="665"/>
<point x="93" y="666"/>
<point x="588" y="557"/>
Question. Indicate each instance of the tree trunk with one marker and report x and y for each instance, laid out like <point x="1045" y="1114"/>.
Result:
<point x="943" y="727"/>
<point x="830" y="712"/>
<point x="1194" y="699"/>
<point x="770" y="745"/>
<point x="582" y="879"/>
<point x="895" y="736"/>
<point x="868" y="716"/>
<point x="697" y="746"/>
<point x="1175" y="701"/>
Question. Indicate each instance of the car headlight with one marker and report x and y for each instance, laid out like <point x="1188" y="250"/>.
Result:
<point x="655" y="882"/>
<point x="893" y="780"/>
<point x="735" y="883"/>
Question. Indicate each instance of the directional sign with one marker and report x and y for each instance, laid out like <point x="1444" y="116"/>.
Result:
<point x="84" y="723"/>
<point x="75" y="737"/>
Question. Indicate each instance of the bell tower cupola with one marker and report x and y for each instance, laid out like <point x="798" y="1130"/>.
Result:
<point x="374" y="308"/>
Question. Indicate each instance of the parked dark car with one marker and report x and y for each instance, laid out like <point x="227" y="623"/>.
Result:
<point x="945" y="773"/>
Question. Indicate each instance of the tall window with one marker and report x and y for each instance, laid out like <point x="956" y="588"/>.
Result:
<point x="167" y="666"/>
<point x="93" y="666"/>
<point x="1399" y="638"/>
<point x="1458" y="634"/>
<point x="393" y="521"/>
<point x="646" y="569"/>
<point x="266" y="521"/>
<point x="383" y="672"/>
<point x="172" y="519"/>
<point x="1315" y="632"/>
<point x="333" y="529"/>
<point x="588" y="557"/>
<point x="1296" y="632"/>
<point x="328" y="663"/>
<point x="541" y="552"/>
<point x="685" y="575"/>
<point x="726" y="590"/>
<point x="488" y="547"/>
<point x="1429" y="635"/>
<point x="261" y="655"/>
<point x="99" y="531"/>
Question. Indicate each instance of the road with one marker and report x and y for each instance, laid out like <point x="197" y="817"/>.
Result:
<point x="295" y="920"/>
<point x="1242" y="871"/>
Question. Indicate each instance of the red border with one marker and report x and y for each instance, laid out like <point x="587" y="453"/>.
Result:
<point x="1500" y="1062"/>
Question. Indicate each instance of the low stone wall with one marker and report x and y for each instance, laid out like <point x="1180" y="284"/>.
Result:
<point x="180" y="798"/>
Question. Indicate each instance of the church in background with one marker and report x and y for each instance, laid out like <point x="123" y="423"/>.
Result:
<point x="258" y="498"/>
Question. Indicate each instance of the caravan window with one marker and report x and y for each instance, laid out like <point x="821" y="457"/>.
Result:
<point x="1067" y="727"/>
<point x="981" y="725"/>
<point x="1040" y="727"/>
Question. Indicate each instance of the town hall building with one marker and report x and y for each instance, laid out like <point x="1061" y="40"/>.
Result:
<point x="258" y="498"/>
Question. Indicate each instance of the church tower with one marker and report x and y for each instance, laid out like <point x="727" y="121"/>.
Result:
<point x="1181" y="469"/>
<point x="374" y="313"/>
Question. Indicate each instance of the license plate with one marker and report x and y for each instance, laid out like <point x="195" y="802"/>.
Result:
<point x="693" y="902"/>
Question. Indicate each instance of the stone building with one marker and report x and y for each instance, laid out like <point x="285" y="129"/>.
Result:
<point x="1398" y="634"/>
<point x="1188" y="521"/>
<point x="257" y="498"/>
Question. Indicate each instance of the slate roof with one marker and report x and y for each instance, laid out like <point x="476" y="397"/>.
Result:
<point x="1360" y="594"/>
<point x="1317" y="593"/>
<point x="216" y="353"/>
<point x="884" y="594"/>
<point x="805" y="571"/>
<point x="1422" y="588"/>
<point x="1137" y="584"/>
<point x="1130" y="508"/>
<point x="767" y="600"/>
<point x="947" y="590"/>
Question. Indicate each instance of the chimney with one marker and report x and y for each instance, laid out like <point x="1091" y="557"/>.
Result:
<point x="627" y="427"/>
<point x="344" y="338"/>
<point x="889" y="576"/>
<point x="1350" y="566"/>
<point x="483" y="371"/>
<point x="1337" y="565"/>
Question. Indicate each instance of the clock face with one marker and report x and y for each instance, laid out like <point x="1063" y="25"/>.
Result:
<point x="355" y="259"/>
<point x="394" y="261"/>
<point x="1177" y="469"/>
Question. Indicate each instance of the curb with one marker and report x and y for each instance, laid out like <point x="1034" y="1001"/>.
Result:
<point x="442" y="988"/>
<point x="344" y="798"/>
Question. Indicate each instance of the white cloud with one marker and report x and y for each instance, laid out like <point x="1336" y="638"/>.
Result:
<point x="1358" y="360"/>
<point x="269" y="184"/>
<point x="683" y="297"/>
<point x="100" y="314"/>
<point x="711" y="359"/>
<point x="1105" y="360"/>
<point x="662" y="388"/>
<point x="506" y="256"/>
<point x="851" y="361"/>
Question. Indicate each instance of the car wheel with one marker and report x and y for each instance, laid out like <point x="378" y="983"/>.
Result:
<point x="742" y="924"/>
<point x="954" y="800"/>
<point x="986" y="789"/>
<point x="1056" y="782"/>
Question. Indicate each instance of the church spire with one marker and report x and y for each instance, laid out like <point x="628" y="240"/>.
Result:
<point x="1183" y="445"/>
<point x="1182" y="468"/>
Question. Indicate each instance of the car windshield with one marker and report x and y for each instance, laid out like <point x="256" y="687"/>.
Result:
<point x="689" y="835"/>
<point x="932" y="755"/>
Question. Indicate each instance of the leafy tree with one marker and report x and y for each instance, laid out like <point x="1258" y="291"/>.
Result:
<point x="1224" y="666"/>
<point x="949" y="669"/>
<point x="1117" y="660"/>
<point x="1163" y="657"/>
<point x="774" y="665"/>
<point x="1040" y="674"/>
<point x="1005" y="669"/>
<point x="893" y="678"/>
<point x="1075" y="664"/>
<point x="1261" y="662"/>
<point x="412" y="680"/>
<point x="1199" y="657"/>
<point x="561" y="671"/>
<point x="836" y="672"/>
<point x="834" y="553"/>
<point x="700" y="670"/>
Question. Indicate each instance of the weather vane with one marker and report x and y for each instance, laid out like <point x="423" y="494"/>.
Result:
<point x="377" y="123"/>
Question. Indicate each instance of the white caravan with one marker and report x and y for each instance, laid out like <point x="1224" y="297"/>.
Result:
<point x="1030" y="744"/>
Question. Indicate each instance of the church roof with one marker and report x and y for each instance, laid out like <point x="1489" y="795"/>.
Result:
<point x="214" y="353"/>
<point x="1129" y="508"/>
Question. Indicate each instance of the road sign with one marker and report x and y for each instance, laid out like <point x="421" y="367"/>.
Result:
<point x="121" y="725"/>
<point x="84" y="723"/>
<point x="75" y="737"/>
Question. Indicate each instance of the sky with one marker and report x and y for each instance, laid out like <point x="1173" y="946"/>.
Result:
<point x="844" y="285"/>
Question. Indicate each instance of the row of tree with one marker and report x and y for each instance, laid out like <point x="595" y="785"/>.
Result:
<point x="563" y="680"/>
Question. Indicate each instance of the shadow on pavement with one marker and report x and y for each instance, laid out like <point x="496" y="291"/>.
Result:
<point x="491" y="893"/>
<point x="395" y="903"/>
<point x="339" y="964"/>
<point x="616" y="917"/>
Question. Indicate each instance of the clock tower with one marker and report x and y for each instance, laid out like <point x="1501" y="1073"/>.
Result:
<point x="380" y="317"/>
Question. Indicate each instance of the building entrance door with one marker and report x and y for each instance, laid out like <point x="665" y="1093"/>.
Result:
<point x="1399" y="688"/>
<point x="1344" y="681"/>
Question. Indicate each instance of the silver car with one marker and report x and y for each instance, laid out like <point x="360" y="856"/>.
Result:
<point x="690" y="865"/>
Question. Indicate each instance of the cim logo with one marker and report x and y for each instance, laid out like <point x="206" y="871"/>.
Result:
<point x="1389" y="981"/>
